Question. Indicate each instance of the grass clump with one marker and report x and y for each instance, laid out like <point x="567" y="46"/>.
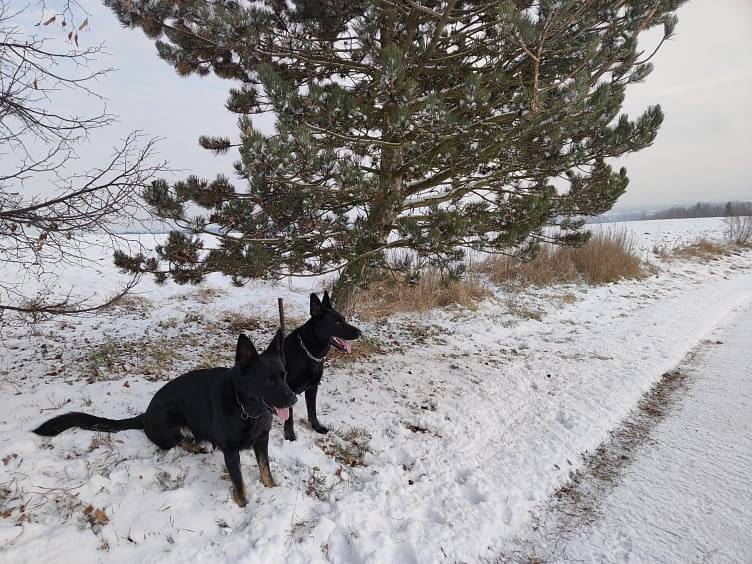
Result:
<point x="608" y="256"/>
<point x="429" y="290"/>
<point x="116" y="358"/>
<point x="346" y="446"/>
<point x="238" y="322"/>
<point x="364" y="348"/>
<point x="703" y="249"/>
<point x="319" y="486"/>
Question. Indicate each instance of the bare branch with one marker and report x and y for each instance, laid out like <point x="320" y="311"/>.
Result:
<point x="59" y="225"/>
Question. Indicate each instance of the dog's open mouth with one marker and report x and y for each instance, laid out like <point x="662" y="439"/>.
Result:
<point x="341" y="344"/>
<point x="283" y="413"/>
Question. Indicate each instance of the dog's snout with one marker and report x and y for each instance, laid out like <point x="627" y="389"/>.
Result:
<point x="292" y="399"/>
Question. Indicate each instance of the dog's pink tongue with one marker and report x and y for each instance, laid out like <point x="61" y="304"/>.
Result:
<point x="283" y="413"/>
<point x="344" y="343"/>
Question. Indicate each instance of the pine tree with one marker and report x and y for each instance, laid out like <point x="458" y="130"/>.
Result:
<point x="430" y="125"/>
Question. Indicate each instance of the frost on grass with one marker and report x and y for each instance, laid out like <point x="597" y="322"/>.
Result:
<point x="300" y="531"/>
<point x="319" y="485"/>
<point x="116" y="358"/>
<point x="346" y="446"/>
<point x="36" y="504"/>
<point x="167" y="482"/>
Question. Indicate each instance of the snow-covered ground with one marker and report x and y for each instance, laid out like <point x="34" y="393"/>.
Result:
<point x="443" y="447"/>
<point x="685" y="495"/>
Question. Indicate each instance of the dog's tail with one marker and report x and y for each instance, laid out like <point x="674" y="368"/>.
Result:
<point x="58" y="424"/>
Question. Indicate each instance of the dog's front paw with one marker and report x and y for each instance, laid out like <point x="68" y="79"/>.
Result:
<point x="290" y="435"/>
<point x="192" y="447"/>
<point x="239" y="498"/>
<point x="319" y="428"/>
<point x="266" y="478"/>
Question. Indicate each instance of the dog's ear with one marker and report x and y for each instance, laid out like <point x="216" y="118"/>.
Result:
<point x="275" y="346"/>
<point x="245" y="353"/>
<point x="315" y="305"/>
<point x="326" y="303"/>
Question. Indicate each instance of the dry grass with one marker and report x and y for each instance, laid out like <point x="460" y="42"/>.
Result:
<point x="202" y="295"/>
<point x="346" y="446"/>
<point x="238" y="322"/>
<point x="523" y="311"/>
<point x="703" y="249"/>
<point x="663" y="251"/>
<point x="319" y="485"/>
<point x="133" y="303"/>
<point x="386" y="297"/>
<point x="608" y="256"/>
<point x="362" y="349"/>
<point x="116" y="358"/>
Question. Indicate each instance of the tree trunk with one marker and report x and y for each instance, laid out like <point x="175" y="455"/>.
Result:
<point x="346" y="289"/>
<point x="384" y="207"/>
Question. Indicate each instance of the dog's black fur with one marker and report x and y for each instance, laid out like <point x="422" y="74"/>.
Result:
<point x="229" y="407"/>
<point x="313" y="339"/>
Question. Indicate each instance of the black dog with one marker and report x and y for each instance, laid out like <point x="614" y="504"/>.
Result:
<point x="305" y="350"/>
<point x="229" y="407"/>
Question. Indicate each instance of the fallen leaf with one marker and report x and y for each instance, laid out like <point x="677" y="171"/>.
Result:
<point x="101" y="517"/>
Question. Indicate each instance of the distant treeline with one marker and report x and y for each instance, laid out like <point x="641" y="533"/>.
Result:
<point x="700" y="209"/>
<point x="704" y="210"/>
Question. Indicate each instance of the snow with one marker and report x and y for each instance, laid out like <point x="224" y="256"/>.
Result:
<point x="669" y="233"/>
<point x="685" y="496"/>
<point x="457" y="434"/>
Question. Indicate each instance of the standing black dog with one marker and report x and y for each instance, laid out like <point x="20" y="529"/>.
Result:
<point x="229" y="407"/>
<point x="305" y="350"/>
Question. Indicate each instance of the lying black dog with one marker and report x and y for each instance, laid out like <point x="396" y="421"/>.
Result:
<point x="229" y="407"/>
<point x="305" y="350"/>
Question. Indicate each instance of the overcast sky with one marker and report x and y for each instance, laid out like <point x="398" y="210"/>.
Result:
<point x="702" y="79"/>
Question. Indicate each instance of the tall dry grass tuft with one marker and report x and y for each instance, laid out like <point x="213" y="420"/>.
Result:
<point x="608" y="256"/>
<point x="392" y="295"/>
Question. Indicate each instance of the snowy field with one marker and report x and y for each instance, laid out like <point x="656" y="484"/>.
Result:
<point x="444" y="445"/>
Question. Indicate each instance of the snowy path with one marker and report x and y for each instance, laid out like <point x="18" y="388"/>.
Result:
<point x="687" y="495"/>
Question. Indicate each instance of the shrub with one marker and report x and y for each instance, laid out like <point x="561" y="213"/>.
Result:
<point x="739" y="229"/>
